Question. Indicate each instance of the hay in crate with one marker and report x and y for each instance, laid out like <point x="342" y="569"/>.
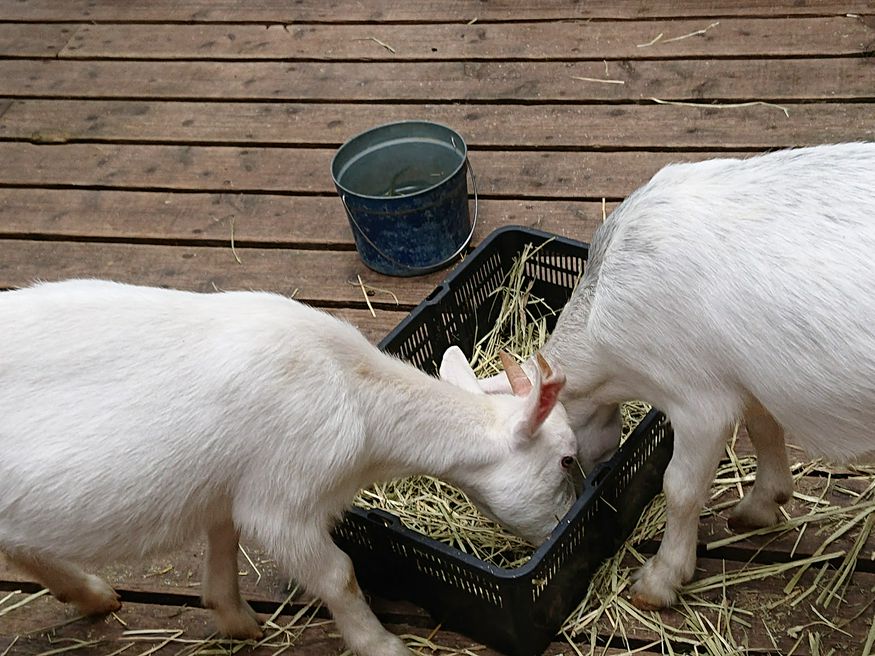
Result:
<point x="443" y="512"/>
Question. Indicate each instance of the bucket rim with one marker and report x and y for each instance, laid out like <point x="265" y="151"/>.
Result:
<point x="382" y="126"/>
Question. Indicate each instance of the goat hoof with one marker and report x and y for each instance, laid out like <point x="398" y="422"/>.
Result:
<point x="739" y="524"/>
<point x="652" y="589"/>
<point x="96" y="597"/>
<point x="240" y="626"/>
<point x="749" y="516"/>
<point x="642" y="602"/>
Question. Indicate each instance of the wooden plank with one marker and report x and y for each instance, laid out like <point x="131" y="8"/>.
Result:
<point x="731" y="37"/>
<point x="301" y="221"/>
<point x="517" y="175"/>
<point x="833" y="79"/>
<point x="320" y="277"/>
<point x="175" y="579"/>
<point x="374" y="327"/>
<point x="319" y="638"/>
<point x="51" y="625"/>
<point x="430" y="10"/>
<point x="179" y="573"/>
<point x="533" y="126"/>
<point x="34" y="40"/>
<point x="225" y="170"/>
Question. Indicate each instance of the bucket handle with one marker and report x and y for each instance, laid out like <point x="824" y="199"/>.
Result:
<point x="431" y="267"/>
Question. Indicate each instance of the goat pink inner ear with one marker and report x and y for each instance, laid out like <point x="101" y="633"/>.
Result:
<point x="543" y="365"/>
<point x="549" y="395"/>
<point x="519" y="382"/>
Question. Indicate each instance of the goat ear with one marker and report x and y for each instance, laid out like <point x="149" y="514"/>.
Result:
<point x="455" y="369"/>
<point x="500" y="383"/>
<point x="543" y="365"/>
<point x="519" y="382"/>
<point x="544" y="394"/>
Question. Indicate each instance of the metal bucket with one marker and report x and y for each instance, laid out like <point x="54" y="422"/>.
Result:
<point x="405" y="191"/>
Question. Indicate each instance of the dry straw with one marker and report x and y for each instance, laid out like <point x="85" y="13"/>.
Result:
<point x="443" y="512"/>
<point x="768" y="600"/>
<point x="753" y="103"/>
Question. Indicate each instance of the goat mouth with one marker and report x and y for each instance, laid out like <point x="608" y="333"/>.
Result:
<point x="538" y="540"/>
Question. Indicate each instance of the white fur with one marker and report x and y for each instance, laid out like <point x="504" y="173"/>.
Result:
<point x="133" y="419"/>
<point x="727" y="290"/>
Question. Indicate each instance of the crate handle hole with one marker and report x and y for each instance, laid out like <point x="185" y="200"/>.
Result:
<point x="437" y="291"/>
<point x="598" y="476"/>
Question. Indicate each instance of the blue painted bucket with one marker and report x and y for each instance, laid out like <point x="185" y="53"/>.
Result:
<point x="405" y="191"/>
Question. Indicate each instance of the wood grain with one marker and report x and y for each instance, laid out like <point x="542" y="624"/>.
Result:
<point x="519" y="175"/>
<point x="832" y="79"/>
<point x="533" y="126"/>
<point x="319" y="277"/>
<point x="428" y="10"/>
<point x="259" y="219"/>
<point x="34" y="40"/>
<point x="575" y="40"/>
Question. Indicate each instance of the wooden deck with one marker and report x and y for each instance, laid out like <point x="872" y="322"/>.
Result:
<point x="137" y="137"/>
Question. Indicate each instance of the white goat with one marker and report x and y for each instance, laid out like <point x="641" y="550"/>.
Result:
<point x="133" y="418"/>
<point x="720" y="291"/>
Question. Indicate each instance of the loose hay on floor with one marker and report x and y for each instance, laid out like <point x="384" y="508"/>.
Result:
<point x="799" y="601"/>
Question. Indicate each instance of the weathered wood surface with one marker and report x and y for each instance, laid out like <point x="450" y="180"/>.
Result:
<point x="832" y="79"/>
<point x="135" y="138"/>
<point x="318" y="277"/>
<point x="171" y="629"/>
<point x="428" y="11"/>
<point x="260" y="220"/>
<point x="220" y="169"/>
<point x="534" y="126"/>
<point x="561" y="40"/>
<point x="41" y="40"/>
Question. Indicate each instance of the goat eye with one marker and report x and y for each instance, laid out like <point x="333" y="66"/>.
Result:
<point x="567" y="462"/>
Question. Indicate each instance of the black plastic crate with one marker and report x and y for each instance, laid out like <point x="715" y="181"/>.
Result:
<point x="517" y="611"/>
